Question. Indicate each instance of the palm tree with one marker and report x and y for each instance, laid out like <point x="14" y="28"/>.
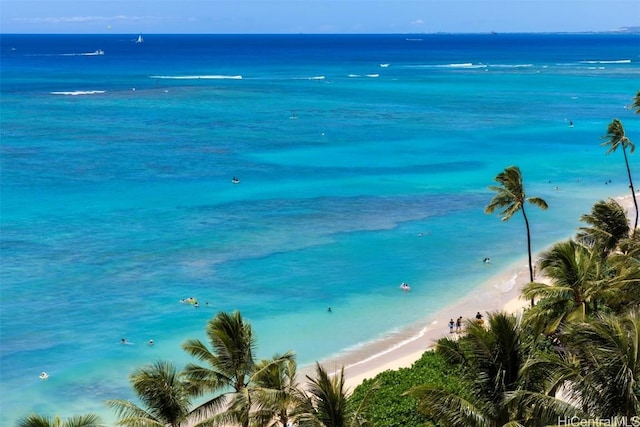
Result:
<point x="494" y="358"/>
<point x="624" y="277"/>
<point x="511" y="198"/>
<point x="326" y="403"/>
<point x="230" y="371"/>
<point x="573" y="270"/>
<point x="608" y="351"/>
<point x="163" y="394"/>
<point x="87" y="420"/>
<point x="608" y="226"/>
<point x="616" y="138"/>
<point x="277" y="392"/>
<point x="230" y="361"/>
<point x="557" y="370"/>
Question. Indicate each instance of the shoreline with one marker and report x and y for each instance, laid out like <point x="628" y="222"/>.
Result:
<point x="402" y="348"/>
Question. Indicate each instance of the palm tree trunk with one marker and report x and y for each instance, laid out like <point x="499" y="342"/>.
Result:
<point x="526" y="222"/>
<point x="633" y="191"/>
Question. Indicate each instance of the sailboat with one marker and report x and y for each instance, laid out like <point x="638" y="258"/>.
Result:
<point x="140" y="39"/>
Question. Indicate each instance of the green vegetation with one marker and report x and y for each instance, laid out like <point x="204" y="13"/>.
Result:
<point x="387" y="403"/>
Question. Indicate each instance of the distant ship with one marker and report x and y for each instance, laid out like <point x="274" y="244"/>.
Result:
<point x="140" y="39"/>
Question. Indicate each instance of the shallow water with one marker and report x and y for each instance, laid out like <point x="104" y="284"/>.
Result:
<point x="118" y="203"/>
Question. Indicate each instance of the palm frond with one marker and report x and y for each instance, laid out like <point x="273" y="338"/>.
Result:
<point x="450" y="349"/>
<point x="448" y="409"/>
<point x="163" y="394"/>
<point x="615" y="136"/>
<point x="35" y="420"/>
<point x="86" y="420"/>
<point x="609" y="352"/>
<point x="129" y="413"/>
<point x="208" y="412"/>
<point x="636" y="102"/>
<point x="608" y="224"/>
<point x="539" y="202"/>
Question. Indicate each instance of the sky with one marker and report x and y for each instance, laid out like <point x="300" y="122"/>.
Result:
<point x="314" y="16"/>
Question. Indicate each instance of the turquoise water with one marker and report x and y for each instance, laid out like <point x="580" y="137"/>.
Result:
<point x="117" y="199"/>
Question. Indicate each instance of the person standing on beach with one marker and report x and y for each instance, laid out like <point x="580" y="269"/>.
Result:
<point x="459" y="325"/>
<point x="451" y="325"/>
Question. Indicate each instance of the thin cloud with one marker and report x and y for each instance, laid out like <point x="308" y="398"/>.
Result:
<point x="84" y="19"/>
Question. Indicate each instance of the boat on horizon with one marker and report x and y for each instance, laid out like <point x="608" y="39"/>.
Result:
<point x="140" y="39"/>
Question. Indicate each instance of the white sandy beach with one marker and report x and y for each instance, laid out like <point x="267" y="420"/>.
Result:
<point x="402" y="349"/>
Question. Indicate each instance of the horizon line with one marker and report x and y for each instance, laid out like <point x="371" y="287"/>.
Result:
<point x="623" y="30"/>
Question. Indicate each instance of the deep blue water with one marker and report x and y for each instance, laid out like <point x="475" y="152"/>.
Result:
<point x="363" y="162"/>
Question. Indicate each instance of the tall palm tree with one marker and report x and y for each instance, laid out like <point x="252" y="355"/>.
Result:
<point x="494" y="357"/>
<point x="616" y="138"/>
<point x="87" y="420"/>
<point x="229" y="374"/>
<point x="163" y="394"/>
<point x="511" y="198"/>
<point x="326" y="403"/>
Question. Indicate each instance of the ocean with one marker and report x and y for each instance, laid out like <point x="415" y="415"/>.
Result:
<point x="363" y="161"/>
